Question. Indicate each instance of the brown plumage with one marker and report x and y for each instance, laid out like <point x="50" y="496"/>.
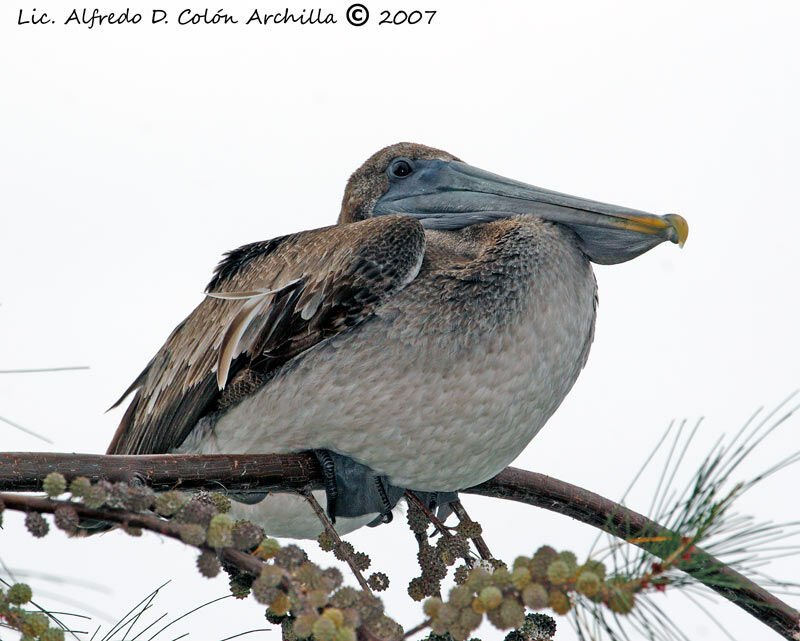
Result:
<point x="289" y="294"/>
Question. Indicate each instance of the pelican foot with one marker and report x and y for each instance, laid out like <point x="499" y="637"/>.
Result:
<point x="353" y="489"/>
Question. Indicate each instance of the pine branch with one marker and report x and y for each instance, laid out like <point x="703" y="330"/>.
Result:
<point x="26" y="471"/>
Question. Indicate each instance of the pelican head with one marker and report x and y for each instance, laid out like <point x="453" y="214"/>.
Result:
<point x="444" y="193"/>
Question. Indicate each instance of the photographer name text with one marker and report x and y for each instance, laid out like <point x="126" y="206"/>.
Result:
<point x="356" y="15"/>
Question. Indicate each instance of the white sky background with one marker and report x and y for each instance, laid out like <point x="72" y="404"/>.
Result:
<point x="133" y="156"/>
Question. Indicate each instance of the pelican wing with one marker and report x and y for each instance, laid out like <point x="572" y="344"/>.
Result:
<point x="267" y="303"/>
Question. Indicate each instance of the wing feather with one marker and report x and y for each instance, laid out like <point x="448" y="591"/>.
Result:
<point x="266" y="304"/>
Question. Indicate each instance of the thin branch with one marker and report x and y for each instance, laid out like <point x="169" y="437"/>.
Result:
<point x="241" y="560"/>
<point x="441" y="527"/>
<point x="329" y="529"/>
<point x="417" y="628"/>
<point x="480" y="544"/>
<point x="26" y="471"/>
<point x="25" y="429"/>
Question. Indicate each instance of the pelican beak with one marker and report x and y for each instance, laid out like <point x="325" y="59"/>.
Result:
<point x="451" y="195"/>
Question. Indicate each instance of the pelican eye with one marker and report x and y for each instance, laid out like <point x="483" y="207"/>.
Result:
<point x="400" y="168"/>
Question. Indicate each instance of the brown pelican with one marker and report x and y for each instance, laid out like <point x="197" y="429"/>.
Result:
<point x="424" y="339"/>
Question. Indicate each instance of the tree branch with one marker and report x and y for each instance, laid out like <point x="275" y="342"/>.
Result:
<point x="245" y="562"/>
<point x="26" y="471"/>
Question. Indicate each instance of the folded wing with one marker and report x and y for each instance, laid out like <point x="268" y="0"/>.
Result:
<point x="267" y="303"/>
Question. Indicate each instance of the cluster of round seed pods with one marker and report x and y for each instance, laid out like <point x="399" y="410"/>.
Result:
<point x="435" y="560"/>
<point x="307" y="601"/>
<point x="34" y="625"/>
<point x="311" y="603"/>
<point x="548" y="579"/>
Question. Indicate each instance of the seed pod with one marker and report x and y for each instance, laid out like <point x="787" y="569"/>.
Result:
<point x="432" y="606"/>
<point x="558" y="572"/>
<point x="345" y="633"/>
<point x="263" y="592"/>
<point x="512" y="613"/>
<point x="79" y="485"/>
<point x="460" y="596"/>
<point x="621" y="600"/>
<point x="219" y="531"/>
<point x="458" y="632"/>
<point x="501" y="577"/>
<point x="290" y="557"/>
<point x="317" y="599"/>
<point x="520" y="577"/>
<point x="544" y="556"/>
<point x="461" y="574"/>
<point x="94" y="496"/>
<point x="448" y="614"/>
<point x="596" y="568"/>
<point x="570" y="560"/>
<point x="332" y="578"/>
<point x="559" y="602"/>
<point x="19" y="594"/>
<point x="33" y="624"/>
<point x="221" y="502"/>
<point x="304" y="623"/>
<point x="54" y="484"/>
<point x="36" y="524"/>
<point x="239" y="587"/>
<point x="535" y="596"/>
<point x="470" y="529"/>
<point x="168" y="503"/>
<point x="361" y="561"/>
<point x="468" y="618"/>
<point x="66" y="518"/>
<point x="326" y="542"/>
<point x="246" y="535"/>
<point x="280" y="605"/>
<point x="478" y="579"/>
<point x="271" y="576"/>
<point x="208" y="564"/>
<point x="417" y="520"/>
<point x="267" y="549"/>
<point x="341" y="551"/>
<point x="415" y="589"/>
<point x="588" y="583"/>
<point x="140" y="498"/>
<point x="196" y="511"/>
<point x="324" y="629"/>
<point x="346" y="597"/>
<point x="490" y="597"/>
<point x="378" y="581"/>
<point x="193" y="533"/>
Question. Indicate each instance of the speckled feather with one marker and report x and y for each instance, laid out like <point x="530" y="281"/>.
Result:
<point x="328" y="280"/>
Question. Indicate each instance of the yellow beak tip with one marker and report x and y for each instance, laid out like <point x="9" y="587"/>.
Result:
<point x="680" y="226"/>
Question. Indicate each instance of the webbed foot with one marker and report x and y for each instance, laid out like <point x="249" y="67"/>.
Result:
<point x="353" y="489"/>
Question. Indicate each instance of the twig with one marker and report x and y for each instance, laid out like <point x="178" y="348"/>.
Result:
<point x="326" y="523"/>
<point x="417" y="628"/>
<point x="480" y="544"/>
<point x="441" y="527"/>
<point x="25" y="472"/>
